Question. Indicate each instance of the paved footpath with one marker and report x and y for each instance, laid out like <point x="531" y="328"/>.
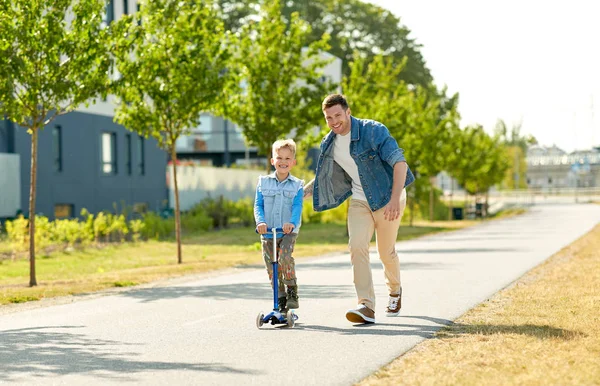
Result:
<point x="202" y="331"/>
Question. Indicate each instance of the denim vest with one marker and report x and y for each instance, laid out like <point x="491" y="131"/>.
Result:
<point x="375" y="152"/>
<point x="277" y="203"/>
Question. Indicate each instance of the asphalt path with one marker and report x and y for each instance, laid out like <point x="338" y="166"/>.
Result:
<point x="202" y="331"/>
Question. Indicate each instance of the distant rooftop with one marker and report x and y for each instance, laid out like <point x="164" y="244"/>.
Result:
<point x="553" y="155"/>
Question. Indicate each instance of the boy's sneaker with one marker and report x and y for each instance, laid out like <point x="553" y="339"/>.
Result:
<point x="394" y="305"/>
<point x="362" y="314"/>
<point x="282" y="304"/>
<point x="292" y="297"/>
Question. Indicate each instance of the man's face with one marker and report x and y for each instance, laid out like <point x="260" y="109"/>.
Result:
<point x="337" y="119"/>
<point x="283" y="160"/>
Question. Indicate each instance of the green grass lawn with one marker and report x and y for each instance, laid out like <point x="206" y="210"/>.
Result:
<point x="119" y="265"/>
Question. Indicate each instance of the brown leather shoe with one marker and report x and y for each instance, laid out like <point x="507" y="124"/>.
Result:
<point x="362" y="314"/>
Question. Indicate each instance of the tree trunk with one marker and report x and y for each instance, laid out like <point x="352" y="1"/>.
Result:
<point x="177" y="217"/>
<point x="450" y="203"/>
<point x="431" y="203"/>
<point x="466" y="203"/>
<point x="412" y="206"/>
<point x="32" y="183"/>
<point x="486" y="205"/>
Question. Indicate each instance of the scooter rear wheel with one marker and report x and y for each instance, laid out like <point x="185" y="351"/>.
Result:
<point x="291" y="321"/>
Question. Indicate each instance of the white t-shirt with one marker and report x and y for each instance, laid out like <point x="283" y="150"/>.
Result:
<point x="341" y="155"/>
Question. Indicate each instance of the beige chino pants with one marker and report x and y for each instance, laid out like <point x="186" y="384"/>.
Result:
<point x="362" y="222"/>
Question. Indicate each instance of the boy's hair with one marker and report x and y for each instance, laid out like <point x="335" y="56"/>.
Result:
<point x="283" y="143"/>
<point x="335" y="99"/>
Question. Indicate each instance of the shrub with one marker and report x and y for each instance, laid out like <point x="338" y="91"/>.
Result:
<point x="156" y="227"/>
<point x="68" y="232"/>
<point x="199" y="221"/>
<point x="137" y="226"/>
<point x="17" y="231"/>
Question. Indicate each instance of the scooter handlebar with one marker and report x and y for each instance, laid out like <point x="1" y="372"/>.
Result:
<point x="278" y="230"/>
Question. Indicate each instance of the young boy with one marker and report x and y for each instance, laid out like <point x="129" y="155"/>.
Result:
<point x="278" y="204"/>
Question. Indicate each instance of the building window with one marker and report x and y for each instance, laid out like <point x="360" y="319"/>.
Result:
<point x="64" y="210"/>
<point x="125" y="7"/>
<point x="141" y="164"/>
<point x="109" y="153"/>
<point x="128" y="158"/>
<point x="57" y="148"/>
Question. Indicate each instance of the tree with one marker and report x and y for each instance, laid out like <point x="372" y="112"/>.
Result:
<point x="173" y="65"/>
<point x="282" y="82"/>
<point x="517" y="144"/>
<point x="427" y="134"/>
<point x="353" y="25"/>
<point x="53" y="58"/>
<point x="356" y="25"/>
<point x="481" y="160"/>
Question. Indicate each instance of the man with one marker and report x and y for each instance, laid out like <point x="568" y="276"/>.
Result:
<point x="360" y="158"/>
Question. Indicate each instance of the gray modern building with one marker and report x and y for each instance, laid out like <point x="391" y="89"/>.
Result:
<point x="85" y="160"/>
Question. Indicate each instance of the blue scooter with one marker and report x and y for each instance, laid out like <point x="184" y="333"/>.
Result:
<point x="276" y="317"/>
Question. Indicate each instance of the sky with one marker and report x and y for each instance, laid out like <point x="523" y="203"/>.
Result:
<point x="529" y="61"/>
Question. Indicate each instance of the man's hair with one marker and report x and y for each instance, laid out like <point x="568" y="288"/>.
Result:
<point x="335" y="99"/>
<point x="285" y="143"/>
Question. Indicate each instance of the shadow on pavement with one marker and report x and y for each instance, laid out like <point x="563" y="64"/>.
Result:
<point x="539" y="331"/>
<point x="453" y="330"/>
<point x="376" y="265"/>
<point x="50" y="351"/>
<point x="458" y="250"/>
<point x="237" y="291"/>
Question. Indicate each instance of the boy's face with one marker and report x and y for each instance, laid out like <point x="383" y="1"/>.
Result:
<point x="283" y="160"/>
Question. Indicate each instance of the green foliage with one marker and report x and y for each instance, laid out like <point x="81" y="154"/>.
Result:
<point x="156" y="227"/>
<point x="243" y="213"/>
<point x="68" y="232"/>
<point x="223" y="213"/>
<point x="17" y="231"/>
<point x="354" y="25"/>
<point x="51" y="63"/>
<point x="101" y="226"/>
<point x="337" y="215"/>
<point x="173" y="66"/>
<point x="195" y="223"/>
<point x="281" y="77"/>
<point x="357" y="25"/>
<point x="516" y="173"/>
<point x="480" y="160"/>
<point x="137" y="227"/>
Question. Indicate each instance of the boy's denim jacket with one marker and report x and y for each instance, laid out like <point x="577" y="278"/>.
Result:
<point x="375" y="152"/>
<point x="277" y="203"/>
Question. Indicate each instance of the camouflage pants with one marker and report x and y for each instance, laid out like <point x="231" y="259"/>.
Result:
<point x="287" y="267"/>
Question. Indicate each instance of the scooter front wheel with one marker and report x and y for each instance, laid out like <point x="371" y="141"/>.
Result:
<point x="259" y="320"/>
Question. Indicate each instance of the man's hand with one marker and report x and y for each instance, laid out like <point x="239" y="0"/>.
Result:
<point x="392" y="209"/>
<point x="288" y="227"/>
<point x="262" y="228"/>
<point x="308" y="189"/>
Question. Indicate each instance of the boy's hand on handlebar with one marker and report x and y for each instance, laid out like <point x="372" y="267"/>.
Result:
<point x="288" y="227"/>
<point x="261" y="228"/>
